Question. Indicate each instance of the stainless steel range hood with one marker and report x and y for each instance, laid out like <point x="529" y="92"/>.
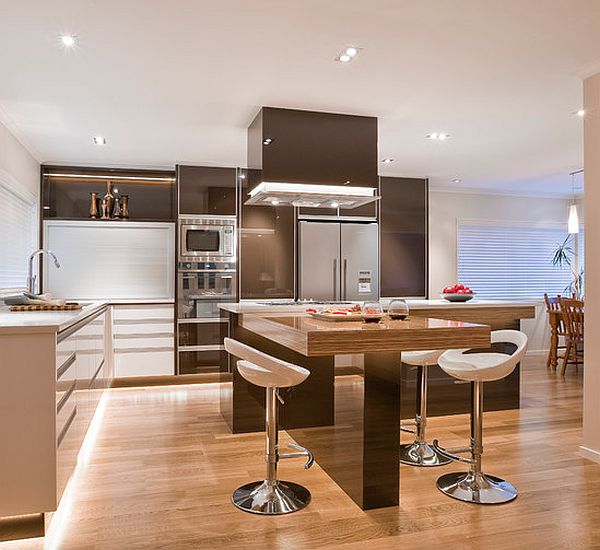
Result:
<point x="270" y="193"/>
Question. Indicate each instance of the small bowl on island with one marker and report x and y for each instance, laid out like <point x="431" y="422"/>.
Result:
<point x="457" y="293"/>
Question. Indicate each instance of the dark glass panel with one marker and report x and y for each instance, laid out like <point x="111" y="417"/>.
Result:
<point x="404" y="242"/>
<point x="207" y="190"/>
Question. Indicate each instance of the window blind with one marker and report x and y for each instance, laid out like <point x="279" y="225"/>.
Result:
<point x="17" y="238"/>
<point x="510" y="261"/>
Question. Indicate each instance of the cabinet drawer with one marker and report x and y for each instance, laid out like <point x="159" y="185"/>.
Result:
<point x="144" y="363"/>
<point x="199" y="361"/>
<point x="201" y="334"/>
<point x="160" y="313"/>
<point x="68" y="444"/>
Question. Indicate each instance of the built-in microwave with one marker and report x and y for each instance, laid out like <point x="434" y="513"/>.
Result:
<point x="209" y="239"/>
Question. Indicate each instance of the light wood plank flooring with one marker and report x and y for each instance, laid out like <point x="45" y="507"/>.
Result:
<point x="164" y="466"/>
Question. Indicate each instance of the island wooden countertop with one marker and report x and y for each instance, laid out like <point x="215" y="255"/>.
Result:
<point x="312" y="337"/>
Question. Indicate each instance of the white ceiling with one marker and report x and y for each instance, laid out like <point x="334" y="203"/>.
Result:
<point x="179" y="81"/>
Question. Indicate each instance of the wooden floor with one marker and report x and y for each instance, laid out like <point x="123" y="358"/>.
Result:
<point x="164" y="465"/>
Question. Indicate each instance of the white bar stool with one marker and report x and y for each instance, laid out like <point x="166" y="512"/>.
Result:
<point x="477" y="368"/>
<point x="419" y="452"/>
<point x="270" y="496"/>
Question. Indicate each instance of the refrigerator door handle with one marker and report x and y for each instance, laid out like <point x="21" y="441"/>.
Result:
<point x="345" y="278"/>
<point x="335" y="279"/>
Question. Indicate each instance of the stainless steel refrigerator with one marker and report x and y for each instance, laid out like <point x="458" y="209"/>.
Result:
<point x="338" y="261"/>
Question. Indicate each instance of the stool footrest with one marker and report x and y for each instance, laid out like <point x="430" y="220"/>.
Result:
<point x="302" y="451"/>
<point x="451" y="453"/>
<point x="408" y="430"/>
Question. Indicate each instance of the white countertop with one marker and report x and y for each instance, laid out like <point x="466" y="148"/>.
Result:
<point x="261" y="307"/>
<point x="44" y="321"/>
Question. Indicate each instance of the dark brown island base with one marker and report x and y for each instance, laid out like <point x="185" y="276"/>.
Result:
<point x="356" y="439"/>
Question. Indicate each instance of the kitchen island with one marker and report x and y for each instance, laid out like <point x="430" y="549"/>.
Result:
<point x="240" y="401"/>
<point x="354" y="440"/>
<point x="55" y="367"/>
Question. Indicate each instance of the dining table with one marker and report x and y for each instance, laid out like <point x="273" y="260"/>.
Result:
<point x="350" y="423"/>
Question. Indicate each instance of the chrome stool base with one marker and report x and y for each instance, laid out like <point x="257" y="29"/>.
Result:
<point x="271" y="498"/>
<point x="476" y="488"/>
<point x="421" y="454"/>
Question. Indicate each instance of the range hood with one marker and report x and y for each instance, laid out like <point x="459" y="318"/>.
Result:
<point x="310" y="195"/>
<point x="312" y="159"/>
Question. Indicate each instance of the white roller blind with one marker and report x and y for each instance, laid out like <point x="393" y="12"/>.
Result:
<point x="17" y="238"/>
<point x="510" y="261"/>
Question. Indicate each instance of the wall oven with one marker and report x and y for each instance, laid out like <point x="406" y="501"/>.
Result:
<point x="208" y="239"/>
<point x="206" y="277"/>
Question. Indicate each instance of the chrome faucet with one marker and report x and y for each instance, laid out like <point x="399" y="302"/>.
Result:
<point x="30" y="276"/>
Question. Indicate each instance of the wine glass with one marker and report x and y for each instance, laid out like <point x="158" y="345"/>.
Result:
<point x="372" y="312"/>
<point x="398" y="309"/>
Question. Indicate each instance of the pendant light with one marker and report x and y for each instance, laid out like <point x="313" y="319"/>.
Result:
<point x="573" y="223"/>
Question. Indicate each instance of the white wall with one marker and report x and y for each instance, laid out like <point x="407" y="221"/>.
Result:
<point x="591" y="373"/>
<point x="18" y="168"/>
<point x="445" y="208"/>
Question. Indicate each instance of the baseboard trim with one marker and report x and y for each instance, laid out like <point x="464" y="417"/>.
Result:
<point x="22" y="527"/>
<point x="534" y="352"/>
<point x="169" y="380"/>
<point x="590" y="454"/>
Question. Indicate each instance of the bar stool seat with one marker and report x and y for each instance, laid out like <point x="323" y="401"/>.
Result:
<point x="419" y="452"/>
<point x="270" y="496"/>
<point x="479" y="367"/>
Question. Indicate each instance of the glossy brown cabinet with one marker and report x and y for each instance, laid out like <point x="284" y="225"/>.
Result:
<point x="207" y="190"/>
<point x="404" y="239"/>
<point x="267" y="248"/>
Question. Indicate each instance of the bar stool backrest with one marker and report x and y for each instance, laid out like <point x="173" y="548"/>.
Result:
<point x="515" y="337"/>
<point x="265" y="370"/>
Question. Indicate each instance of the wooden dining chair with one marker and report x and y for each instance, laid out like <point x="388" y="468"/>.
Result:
<point x="572" y="313"/>
<point x="558" y="329"/>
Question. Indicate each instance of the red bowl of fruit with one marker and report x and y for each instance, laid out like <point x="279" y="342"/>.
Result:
<point x="457" y="293"/>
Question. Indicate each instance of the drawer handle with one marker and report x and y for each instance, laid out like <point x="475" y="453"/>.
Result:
<point x="65" y="397"/>
<point x="66" y="427"/>
<point x="65" y="366"/>
<point x="96" y="373"/>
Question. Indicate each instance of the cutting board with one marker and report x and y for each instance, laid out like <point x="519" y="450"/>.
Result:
<point x="43" y="307"/>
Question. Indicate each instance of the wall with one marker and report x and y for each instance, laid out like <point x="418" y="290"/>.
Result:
<point x="18" y="168"/>
<point x="445" y="208"/>
<point x="591" y="374"/>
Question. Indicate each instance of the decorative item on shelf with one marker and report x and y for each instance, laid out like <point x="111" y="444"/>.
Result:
<point x="398" y="309"/>
<point x="94" y="211"/>
<point x="108" y="202"/>
<point x="117" y="209"/>
<point x="124" y="207"/>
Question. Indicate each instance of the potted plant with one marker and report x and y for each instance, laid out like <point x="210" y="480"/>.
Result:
<point x="563" y="257"/>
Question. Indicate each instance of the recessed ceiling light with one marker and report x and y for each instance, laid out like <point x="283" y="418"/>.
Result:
<point x="456" y="180"/>
<point x="387" y="161"/>
<point x="580" y="113"/>
<point x="335" y="204"/>
<point x="441" y="136"/>
<point x="267" y="141"/>
<point x="68" y="40"/>
<point x="99" y="140"/>
<point x="347" y="54"/>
